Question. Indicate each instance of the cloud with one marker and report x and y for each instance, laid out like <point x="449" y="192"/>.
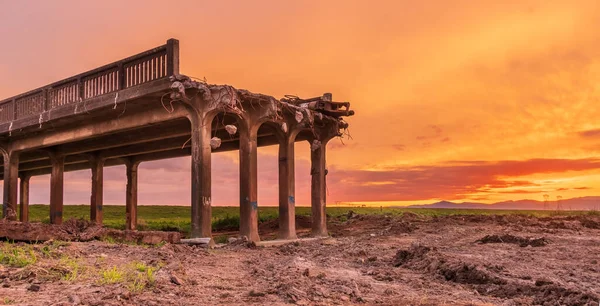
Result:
<point x="590" y="133"/>
<point x="451" y="181"/>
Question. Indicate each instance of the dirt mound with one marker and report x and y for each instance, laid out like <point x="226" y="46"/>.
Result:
<point x="377" y="225"/>
<point x="426" y="259"/>
<point x="416" y="252"/>
<point x="544" y="294"/>
<point x="507" y="238"/>
<point x="487" y="282"/>
<point x="79" y="230"/>
<point x="466" y="273"/>
<point x="589" y="223"/>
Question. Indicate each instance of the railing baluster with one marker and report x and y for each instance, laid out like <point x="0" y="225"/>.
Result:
<point x="142" y="68"/>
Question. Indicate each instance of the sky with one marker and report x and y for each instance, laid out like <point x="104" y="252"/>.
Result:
<point x="457" y="100"/>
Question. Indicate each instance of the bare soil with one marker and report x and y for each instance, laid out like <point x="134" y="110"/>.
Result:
<point x="369" y="259"/>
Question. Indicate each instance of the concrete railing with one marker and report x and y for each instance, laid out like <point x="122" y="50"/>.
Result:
<point x="147" y="66"/>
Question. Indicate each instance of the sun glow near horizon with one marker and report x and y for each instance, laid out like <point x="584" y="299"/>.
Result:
<point x="464" y="101"/>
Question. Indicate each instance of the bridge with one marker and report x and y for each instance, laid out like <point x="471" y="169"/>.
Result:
<point x="141" y="109"/>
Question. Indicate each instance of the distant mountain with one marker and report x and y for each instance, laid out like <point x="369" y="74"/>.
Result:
<point x="584" y="203"/>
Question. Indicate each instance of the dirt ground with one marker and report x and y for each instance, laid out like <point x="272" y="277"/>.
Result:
<point x="406" y="260"/>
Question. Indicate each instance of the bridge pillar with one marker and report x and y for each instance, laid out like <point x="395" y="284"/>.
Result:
<point x="11" y="176"/>
<point x="24" y="197"/>
<point x="56" y="187"/>
<point x="132" y="193"/>
<point x="96" y="198"/>
<point x="201" y="177"/>
<point x="318" y="188"/>
<point x="287" y="201"/>
<point x="248" y="184"/>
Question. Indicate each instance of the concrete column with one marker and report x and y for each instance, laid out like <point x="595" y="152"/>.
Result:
<point x="131" y="195"/>
<point x="56" y="188"/>
<point x="24" y="197"/>
<point x="248" y="185"/>
<point x="96" y="198"/>
<point x="287" y="186"/>
<point x="201" y="181"/>
<point x="11" y="176"/>
<point x="318" y="188"/>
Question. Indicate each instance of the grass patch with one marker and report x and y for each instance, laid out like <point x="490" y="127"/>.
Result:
<point x="72" y="268"/>
<point x="17" y="256"/>
<point x="177" y="218"/>
<point x="141" y="280"/>
<point x="221" y="239"/>
<point x="111" y="276"/>
<point x="136" y="276"/>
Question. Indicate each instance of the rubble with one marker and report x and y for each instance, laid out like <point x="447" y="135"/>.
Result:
<point x="215" y="142"/>
<point x="231" y="129"/>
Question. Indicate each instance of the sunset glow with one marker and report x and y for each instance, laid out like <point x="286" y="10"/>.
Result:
<point x="480" y="101"/>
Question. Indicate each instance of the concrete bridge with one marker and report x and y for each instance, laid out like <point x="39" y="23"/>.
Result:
<point x="141" y="109"/>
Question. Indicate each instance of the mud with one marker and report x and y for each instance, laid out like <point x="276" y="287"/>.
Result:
<point x="521" y="241"/>
<point x="384" y="260"/>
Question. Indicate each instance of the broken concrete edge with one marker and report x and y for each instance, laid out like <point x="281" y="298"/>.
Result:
<point x="182" y="82"/>
<point x="201" y="242"/>
<point x="280" y="242"/>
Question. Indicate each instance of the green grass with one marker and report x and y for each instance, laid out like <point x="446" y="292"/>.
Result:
<point x="16" y="256"/>
<point x="177" y="218"/>
<point x="111" y="276"/>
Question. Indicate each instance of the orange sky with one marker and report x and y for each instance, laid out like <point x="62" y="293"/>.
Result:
<point x="458" y="100"/>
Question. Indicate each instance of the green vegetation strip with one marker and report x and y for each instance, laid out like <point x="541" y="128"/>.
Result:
<point x="177" y="218"/>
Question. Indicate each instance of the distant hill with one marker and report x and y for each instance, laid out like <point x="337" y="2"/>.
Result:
<point x="584" y="203"/>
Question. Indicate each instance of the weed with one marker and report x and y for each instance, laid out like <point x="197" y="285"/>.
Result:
<point x="73" y="268"/>
<point x="150" y="277"/>
<point x="140" y="266"/>
<point x="142" y="277"/>
<point x="109" y="239"/>
<point x="17" y="256"/>
<point x="221" y="239"/>
<point x="137" y="285"/>
<point x="111" y="276"/>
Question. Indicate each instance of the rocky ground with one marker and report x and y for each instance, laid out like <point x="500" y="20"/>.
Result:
<point x="411" y="259"/>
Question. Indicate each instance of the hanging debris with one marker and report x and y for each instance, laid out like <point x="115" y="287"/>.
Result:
<point x="315" y="145"/>
<point x="231" y="129"/>
<point x="299" y="116"/>
<point x="284" y="127"/>
<point x="310" y="116"/>
<point x="215" y="142"/>
<point x="178" y="86"/>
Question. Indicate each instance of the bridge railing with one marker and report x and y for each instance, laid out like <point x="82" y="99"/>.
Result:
<point x="142" y="68"/>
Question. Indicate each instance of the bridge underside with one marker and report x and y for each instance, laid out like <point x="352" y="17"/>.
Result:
<point x="169" y="116"/>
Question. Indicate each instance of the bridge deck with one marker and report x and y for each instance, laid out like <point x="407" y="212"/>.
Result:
<point x="140" y="109"/>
